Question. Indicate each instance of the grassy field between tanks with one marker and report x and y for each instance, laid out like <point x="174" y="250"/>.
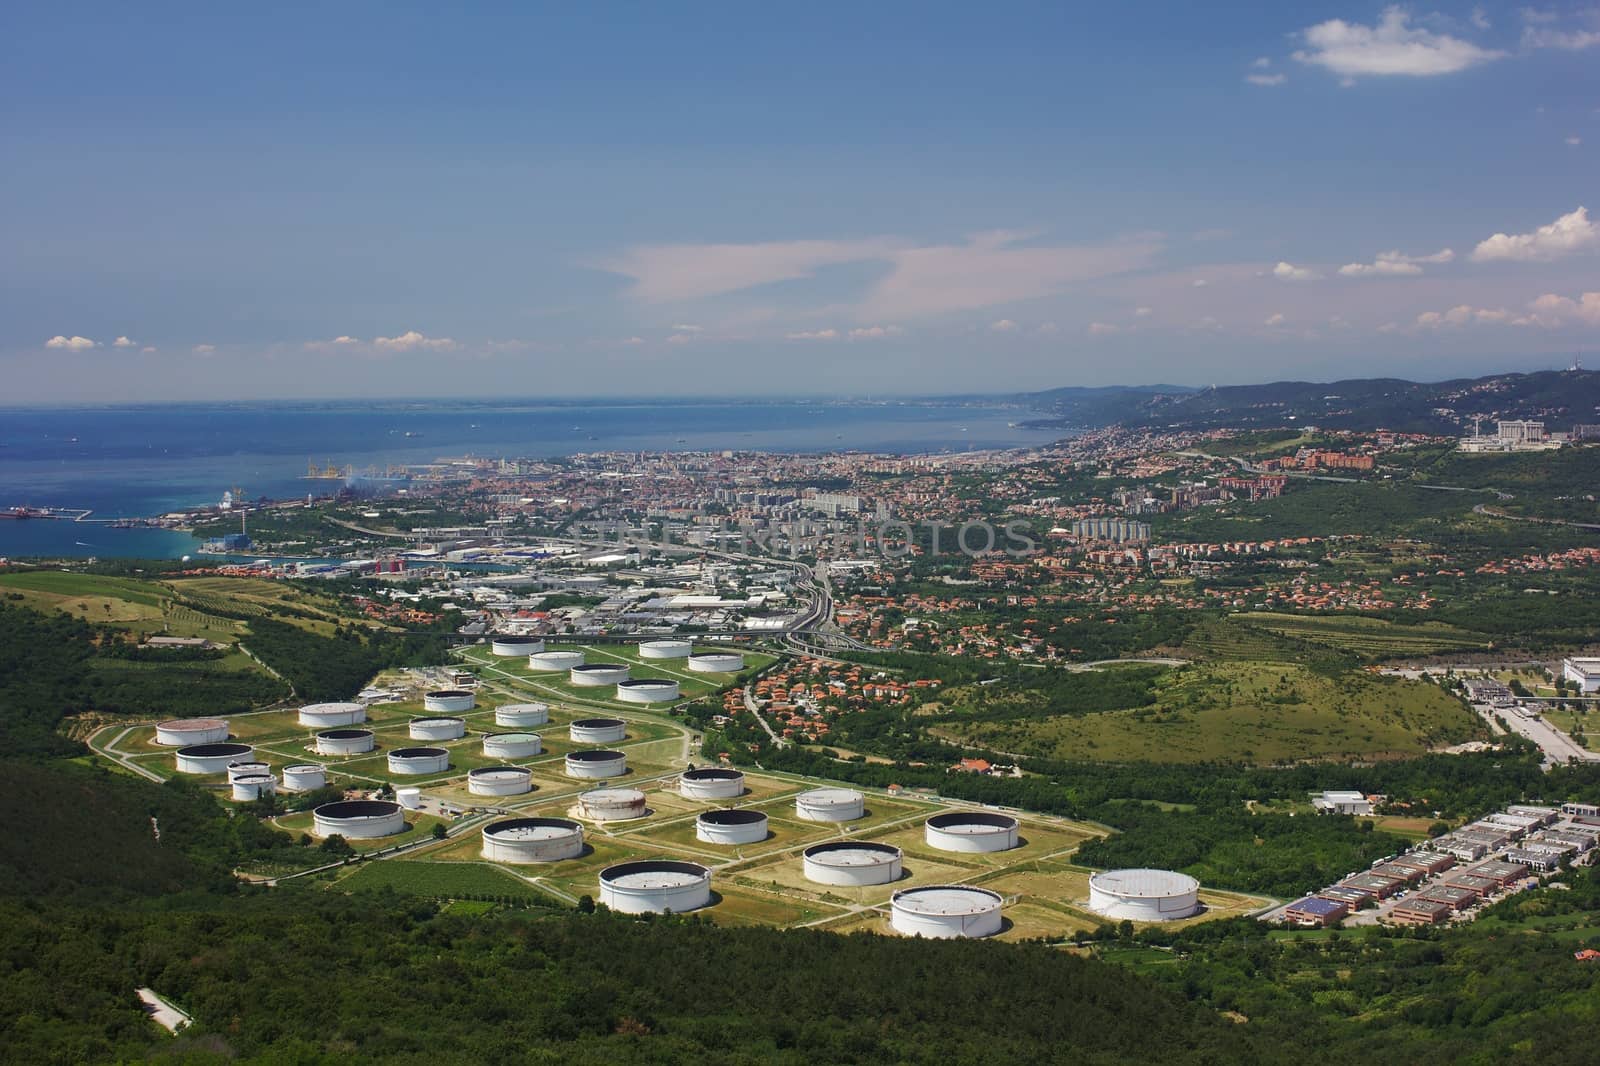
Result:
<point x="554" y="684"/>
<point x="1249" y="712"/>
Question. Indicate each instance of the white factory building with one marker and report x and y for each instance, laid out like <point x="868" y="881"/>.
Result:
<point x="1585" y="673"/>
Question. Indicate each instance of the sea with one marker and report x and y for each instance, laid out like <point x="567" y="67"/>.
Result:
<point x="142" y="461"/>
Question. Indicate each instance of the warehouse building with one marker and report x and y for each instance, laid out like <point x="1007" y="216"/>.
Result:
<point x="1419" y="910"/>
<point x="1315" y="912"/>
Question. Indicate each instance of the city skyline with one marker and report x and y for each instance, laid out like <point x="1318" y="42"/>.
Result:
<point x="397" y="202"/>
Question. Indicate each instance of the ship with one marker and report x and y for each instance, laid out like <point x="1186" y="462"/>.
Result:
<point x="22" y="512"/>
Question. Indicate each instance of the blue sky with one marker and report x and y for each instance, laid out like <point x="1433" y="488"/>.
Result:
<point x="206" y="201"/>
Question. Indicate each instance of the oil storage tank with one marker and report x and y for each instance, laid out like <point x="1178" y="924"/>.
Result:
<point x="597" y="730"/>
<point x="1143" y="895"/>
<point x="512" y="745"/>
<point x="655" y="886"/>
<point x="211" y="758"/>
<point x="731" y="826"/>
<point x="711" y="782"/>
<point x="183" y="732"/>
<point x="647" y="690"/>
<point x="247" y="768"/>
<point x="332" y="715"/>
<point x="522" y="715"/>
<point x="716" y="662"/>
<point x="665" y="649"/>
<point x="358" y="819"/>
<point x="852" y="862"/>
<point x="944" y="912"/>
<point x="530" y="840"/>
<point x="509" y="645"/>
<point x="442" y="727"/>
<point x="830" y="805"/>
<point x="592" y="675"/>
<point x="448" y="701"/>
<point x="254" y="786"/>
<point x="552" y="660"/>
<point x="345" y="741"/>
<point x="593" y="762"/>
<point x="304" y="777"/>
<point x="419" y="761"/>
<point x="971" y="831"/>
<point x="499" y="781"/>
<point x="409" y="797"/>
<point x="612" y="804"/>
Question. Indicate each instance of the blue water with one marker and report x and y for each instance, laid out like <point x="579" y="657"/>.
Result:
<point x="145" y="460"/>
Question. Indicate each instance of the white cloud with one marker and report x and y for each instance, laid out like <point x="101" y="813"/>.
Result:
<point x="1480" y="18"/>
<point x="1574" y="140"/>
<point x="1290" y="272"/>
<point x="1143" y="312"/>
<point x="1553" y="310"/>
<point x="1004" y="325"/>
<point x="1266" y="80"/>
<point x="411" y="340"/>
<point x="688" y="328"/>
<point x="1396" y="264"/>
<point x="869" y="333"/>
<point x="123" y="342"/>
<point x="1570" y="233"/>
<point x="815" y="335"/>
<point x="1198" y="283"/>
<point x="667" y="272"/>
<point x="1275" y="320"/>
<point x="1046" y="329"/>
<point x="680" y="338"/>
<point x="147" y="349"/>
<point x="1466" y="315"/>
<point x="1392" y="47"/>
<point x="71" y="344"/>
<point x="633" y="341"/>
<point x="204" y="349"/>
<point x="1101" y="328"/>
<point x="1540" y="30"/>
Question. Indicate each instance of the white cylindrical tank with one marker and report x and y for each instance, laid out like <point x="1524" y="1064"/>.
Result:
<point x="830" y="805"/>
<point x="555" y="660"/>
<point x="509" y="646"/>
<point x="731" y="826"/>
<point x="512" y="745"/>
<point x="597" y="730"/>
<point x="1143" y="895"/>
<point x="596" y="763"/>
<point x="711" y="782"/>
<point x="527" y="840"/>
<point x="439" y="728"/>
<point x="304" y="777"/>
<point x="345" y="741"/>
<point x="647" y="690"/>
<point x="852" y="862"/>
<point x="592" y="675"/>
<point x="332" y="715"/>
<point x="945" y="911"/>
<point x="254" y="786"/>
<point x="183" y="732"/>
<point x="971" y="831"/>
<point x="448" y="701"/>
<point x="522" y="715"/>
<point x="665" y="649"/>
<point x="211" y="758"/>
<point x="418" y="760"/>
<point x="499" y="781"/>
<point x="409" y="797"/>
<point x="655" y="886"/>
<point x="612" y="805"/>
<point x="717" y="662"/>
<point x="247" y="768"/>
<point x="358" y="819"/>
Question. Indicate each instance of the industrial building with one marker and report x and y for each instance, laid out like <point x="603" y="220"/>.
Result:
<point x="184" y="732"/>
<point x="593" y="675"/>
<point x="945" y="912"/>
<point x="597" y="730"/>
<point x="665" y="649"/>
<point x="448" y="701"/>
<point x="712" y="782"/>
<point x="647" y="690"/>
<point x="1585" y="673"/>
<point x="592" y="762"/>
<point x="344" y="741"/>
<point x="553" y="661"/>
<point x="728" y="826"/>
<point x="499" y="781"/>
<point x="851" y="862"/>
<point x="655" y="886"/>
<point x="332" y="715"/>
<point x="1418" y="910"/>
<point x="522" y="715"/>
<point x="719" y="662"/>
<point x="971" y="831"/>
<point x="612" y="805"/>
<point x="531" y="840"/>
<point x="304" y="777"/>
<point x="439" y="727"/>
<point x="1337" y="802"/>
<point x="1315" y="912"/>
<point x="830" y="805"/>
<point x="1144" y="895"/>
<point x="512" y="745"/>
<point x="419" y="761"/>
<point x="358" y="819"/>
<point x="510" y="646"/>
<point x="210" y="758"/>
